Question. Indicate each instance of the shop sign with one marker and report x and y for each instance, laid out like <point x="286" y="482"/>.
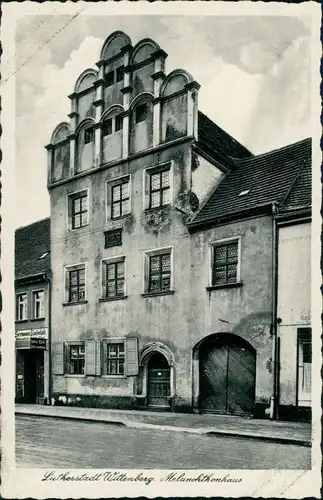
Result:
<point x="37" y="343"/>
<point x="33" y="332"/>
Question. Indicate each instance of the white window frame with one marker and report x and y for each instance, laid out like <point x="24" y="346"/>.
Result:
<point x="112" y="260"/>
<point x="69" y="213"/>
<point x="148" y="171"/>
<point x="113" y="340"/>
<point x="145" y="278"/>
<point x="17" y="306"/>
<point x="33" y="292"/>
<point x="212" y="246"/>
<point x="108" y="186"/>
<point x="66" y="361"/>
<point x="67" y="269"/>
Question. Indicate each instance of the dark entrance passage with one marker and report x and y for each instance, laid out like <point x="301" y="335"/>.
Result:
<point x="33" y="376"/>
<point x="227" y="375"/>
<point x="158" y="388"/>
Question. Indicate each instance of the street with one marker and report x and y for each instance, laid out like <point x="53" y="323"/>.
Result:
<point x="50" y="442"/>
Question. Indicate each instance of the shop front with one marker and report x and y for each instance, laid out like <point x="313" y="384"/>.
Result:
<point x="32" y="366"/>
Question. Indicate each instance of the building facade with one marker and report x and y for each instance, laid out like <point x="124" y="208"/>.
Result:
<point x="32" y="321"/>
<point x="162" y="262"/>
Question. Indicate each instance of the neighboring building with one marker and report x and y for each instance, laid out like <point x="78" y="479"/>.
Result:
<point x="234" y="252"/>
<point x="32" y="322"/>
<point x="294" y="291"/>
<point x="161" y="245"/>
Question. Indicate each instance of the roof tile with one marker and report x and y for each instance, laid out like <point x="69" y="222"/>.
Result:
<point x="31" y="243"/>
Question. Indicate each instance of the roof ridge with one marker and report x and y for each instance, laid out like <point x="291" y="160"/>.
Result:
<point x="32" y="223"/>
<point x="268" y="153"/>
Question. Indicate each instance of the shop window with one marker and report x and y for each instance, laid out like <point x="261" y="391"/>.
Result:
<point x="158" y="271"/>
<point x="141" y="112"/>
<point x="78" y="210"/>
<point x="159" y="190"/>
<point x="114" y="278"/>
<point x="304" y="366"/>
<point x="76" y="358"/>
<point x="120" y="199"/>
<point x="225" y="265"/>
<point x="21" y="307"/>
<point x="114" y="358"/>
<point x="38" y="304"/>
<point x="75" y="283"/>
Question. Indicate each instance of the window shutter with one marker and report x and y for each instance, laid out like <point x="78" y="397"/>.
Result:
<point x="58" y="358"/>
<point x="131" y="359"/>
<point x="92" y="358"/>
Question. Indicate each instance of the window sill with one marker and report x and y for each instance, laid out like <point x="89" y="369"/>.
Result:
<point x="114" y="376"/>
<point x="73" y="229"/>
<point x="22" y="320"/>
<point x="74" y="303"/>
<point x="156" y="209"/>
<point x="157" y="294"/>
<point x="74" y="375"/>
<point x="112" y="299"/>
<point x="121" y="217"/>
<point x="224" y="285"/>
<point x="38" y="319"/>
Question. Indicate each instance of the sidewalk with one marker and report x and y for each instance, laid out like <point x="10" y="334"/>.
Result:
<point x="298" y="433"/>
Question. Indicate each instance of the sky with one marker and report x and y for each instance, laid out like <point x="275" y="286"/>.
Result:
<point x="254" y="73"/>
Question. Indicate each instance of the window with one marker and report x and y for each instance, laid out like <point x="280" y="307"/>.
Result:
<point x="304" y="366"/>
<point x="120" y="203"/>
<point x="159" y="272"/>
<point x="38" y="304"/>
<point x="76" y="284"/>
<point x="225" y="263"/>
<point x="21" y="307"/>
<point x="88" y="135"/>
<point x="76" y="358"/>
<point x="78" y="207"/>
<point x="118" y="123"/>
<point x="159" y="192"/>
<point x="111" y="125"/>
<point x="141" y="112"/>
<point x="109" y="78"/>
<point x="114" y="278"/>
<point x="119" y="74"/>
<point x="114" y="358"/>
<point x="113" y="238"/>
<point x="107" y="127"/>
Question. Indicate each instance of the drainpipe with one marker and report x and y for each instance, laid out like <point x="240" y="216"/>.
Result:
<point x="48" y="279"/>
<point x="273" y="409"/>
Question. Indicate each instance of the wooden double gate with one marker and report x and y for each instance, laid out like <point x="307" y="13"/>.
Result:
<point x="227" y="375"/>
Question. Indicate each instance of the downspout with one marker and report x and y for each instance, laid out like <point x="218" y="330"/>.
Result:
<point x="273" y="409"/>
<point x="48" y="279"/>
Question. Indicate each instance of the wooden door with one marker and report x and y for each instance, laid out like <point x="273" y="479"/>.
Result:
<point x="158" y="390"/>
<point x="227" y="376"/>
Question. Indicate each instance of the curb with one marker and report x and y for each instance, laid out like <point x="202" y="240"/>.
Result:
<point x="188" y="430"/>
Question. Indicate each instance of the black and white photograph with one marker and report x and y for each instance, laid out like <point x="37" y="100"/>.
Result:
<point x="161" y="249"/>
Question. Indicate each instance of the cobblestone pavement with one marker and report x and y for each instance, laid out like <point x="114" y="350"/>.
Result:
<point x="53" y="442"/>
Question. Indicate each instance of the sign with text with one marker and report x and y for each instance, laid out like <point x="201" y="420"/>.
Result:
<point x="33" y="332"/>
<point x="37" y="343"/>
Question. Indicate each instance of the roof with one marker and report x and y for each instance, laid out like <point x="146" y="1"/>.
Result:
<point x="300" y="193"/>
<point x="281" y="176"/>
<point x="214" y="137"/>
<point x="32" y="247"/>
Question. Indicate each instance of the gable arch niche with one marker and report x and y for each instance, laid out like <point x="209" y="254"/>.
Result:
<point x="61" y="152"/>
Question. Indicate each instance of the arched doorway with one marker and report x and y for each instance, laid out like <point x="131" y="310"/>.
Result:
<point x="158" y="381"/>
<point x="227" y="375"/>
